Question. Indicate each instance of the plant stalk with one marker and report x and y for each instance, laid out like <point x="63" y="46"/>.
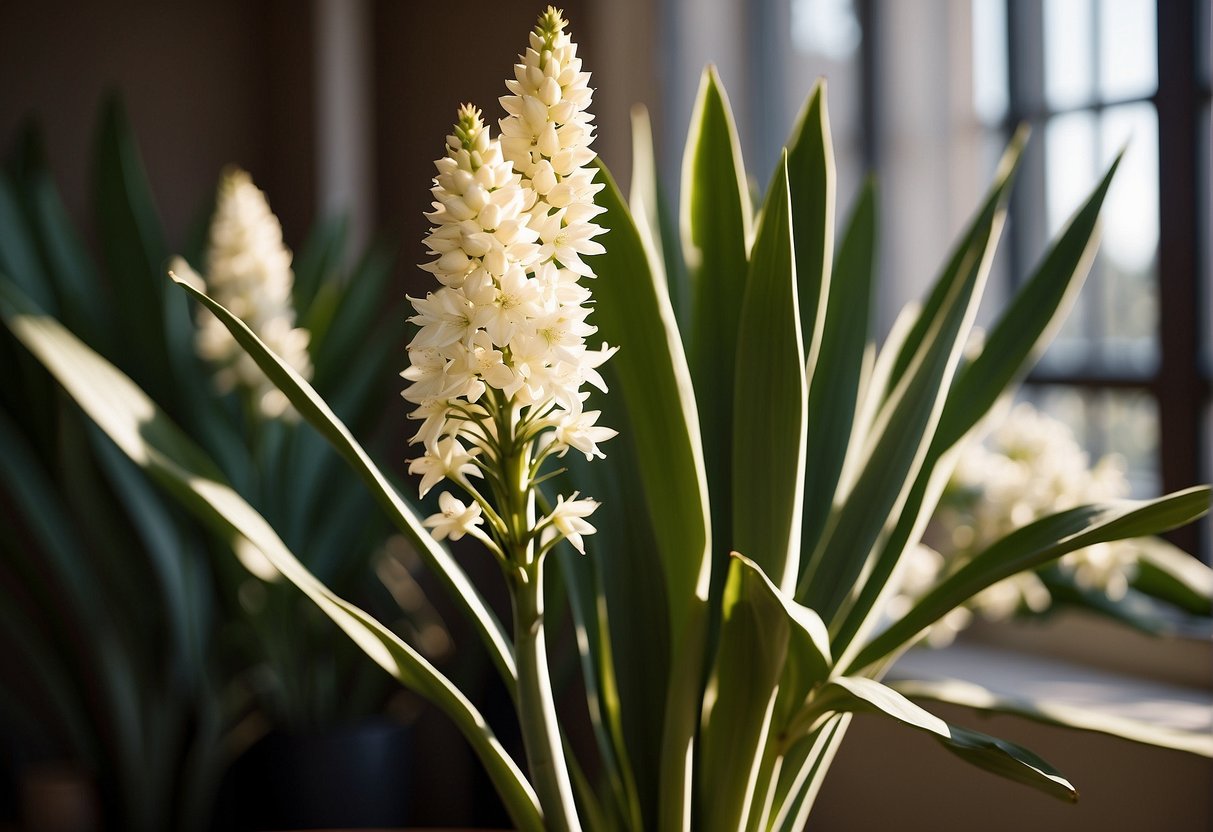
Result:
<point x="536" y="709"/>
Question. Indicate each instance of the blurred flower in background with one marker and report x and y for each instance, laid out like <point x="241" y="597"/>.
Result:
<point x="248" y="270"/>
<point x="1030" y="466"/>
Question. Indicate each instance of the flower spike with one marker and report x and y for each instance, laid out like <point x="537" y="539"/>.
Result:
<point x="499" y="361"/>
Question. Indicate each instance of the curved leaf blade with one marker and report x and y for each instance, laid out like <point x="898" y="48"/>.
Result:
<point x="1020" y="335"/>
<point x="633" y="312"/>
<point x="811" y="185"/>
<point x="317" y="412"/>
<point x="952" y="272"/>
<point x="134" y="249"/>
<point x="1006" y="759"/>
<point x="834" y="389"/>
<point x="899" y="443"/>
<point x="650" y="375"/>
<point x="1170" y="574"/>
<point x="1034" y="545"/>
<point x="896" y="452"/>
<point x="752" y="650"/>
<point x="152" y="441"/>
<point x="971" y="695"/>
<point x="716" y="232"/>
<point x="1029" y="323"/>
<point x="769" y="414"/>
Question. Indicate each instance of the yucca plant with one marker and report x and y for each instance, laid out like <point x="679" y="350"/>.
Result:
<point x="135" y="645"/>
<point x="770" y="471"/>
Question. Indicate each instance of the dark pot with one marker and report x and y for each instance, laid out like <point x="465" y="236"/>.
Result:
<point x="354" y="777"/>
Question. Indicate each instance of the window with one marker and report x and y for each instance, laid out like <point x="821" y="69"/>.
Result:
<point x="927" y="92"/>
<point x="1130" y="369"/>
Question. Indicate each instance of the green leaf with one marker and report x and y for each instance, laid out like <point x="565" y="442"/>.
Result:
<point x="889" y="457"/>
<point x="1134" y="608"/>
<point x="857" y="694"/>
<point x="633" y="312"/>
<point x="1019" y="336"/>
<point x="834" y="387"/>
<point x="808" y="660"/>
<point x="84" y="306"/>
<point x="161" y="534"/>
<point x="1172" y="575"/>
<point x="771" y="619"/>
<point x="321" y="417"/>
<point x="339" y="343"/>
<point x="18" y="256"/>
<point x="769" y="408"/>
<point x="134" y="250"/>
<point x="651" y="211"/>
<point x="892" y="457"/>
<point x="970" y="695"/>
<point x="642" y="196"/>
<point x="317" y="262"/>
<point x="33" y="496"/>
<point x="1033" y="546"/>
<point x="664" y="480"/>
<point x="1029" y="322"/>
<point x="716" y="233"/>
<point x="811" y="185"/>
<point x="155" y="341"/>
<point x="151" y="440"/>
<point x="619" y="565"/>
<point x="589" y="612"/>
<point x="740" y="699"/>
<point x="953" y="271"/>
<point x="803" y="771"/>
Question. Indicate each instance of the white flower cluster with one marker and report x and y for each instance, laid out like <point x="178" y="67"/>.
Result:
<point x="248" y="270"/>
<point x="498" y="365"/>
<point x="1031" y="466"/>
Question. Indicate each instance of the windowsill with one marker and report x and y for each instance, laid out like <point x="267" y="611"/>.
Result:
<point x="1086" y="640"/>
<point x="1078" y="664"/>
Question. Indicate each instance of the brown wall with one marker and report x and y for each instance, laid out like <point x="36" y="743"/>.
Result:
<point x="889" y="777"/>
<point x="205" y="84"/>
<point x="424" y="71"/>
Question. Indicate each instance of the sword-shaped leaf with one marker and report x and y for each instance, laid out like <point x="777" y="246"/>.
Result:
<point x="320" y="416"/>
<point x="1006" y="759"/>
<point x="1017" y="339"/>
<point x="152" y="441"/>
<point x="1064" y="715"/>
<point x="716" y="233"/>
<point x="769" y="405"/>
<point x="1033" y="546"/>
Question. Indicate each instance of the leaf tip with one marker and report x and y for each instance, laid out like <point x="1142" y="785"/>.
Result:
<point x="183" y="275"/>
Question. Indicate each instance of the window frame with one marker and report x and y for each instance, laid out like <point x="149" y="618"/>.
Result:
<point x="1179" y="384"/>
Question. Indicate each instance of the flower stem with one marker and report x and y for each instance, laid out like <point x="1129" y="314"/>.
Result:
<point x="536" y="710"/>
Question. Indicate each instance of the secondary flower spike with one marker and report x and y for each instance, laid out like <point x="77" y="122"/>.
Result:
<point x="498" y="367"/>
<point x="248" y="270"/>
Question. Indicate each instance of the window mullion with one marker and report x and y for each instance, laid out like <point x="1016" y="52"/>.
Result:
<point x="1178" y="100"/>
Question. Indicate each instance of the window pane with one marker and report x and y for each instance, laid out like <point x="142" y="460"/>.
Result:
<point x="1128" y="56"/>
<point x="1113" y="327"/>
<point x="990" y="60"/>
<point x="1121" y="423"/>
<point x="825" y="27"/>
<point x="823" y="38"/>
<point x="1070" y="143"/>
<point x="1069" y="52"/>
<point x="1129" y="244"/>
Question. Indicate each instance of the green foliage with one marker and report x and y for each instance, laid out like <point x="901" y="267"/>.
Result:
<point x="137" y="653"/>
<point x="719" y="687"/>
